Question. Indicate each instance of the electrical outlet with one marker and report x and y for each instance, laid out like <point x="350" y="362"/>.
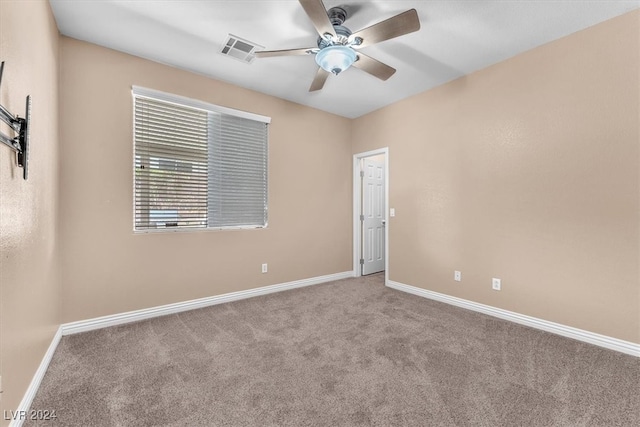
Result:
<point x="457" y="276"/>
<point x="264" y="268"/>
<point x="496" y="284"/>
<point x="392" y="212"/>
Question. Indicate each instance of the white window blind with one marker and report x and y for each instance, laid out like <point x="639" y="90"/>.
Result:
<point x="197" y="167"/>
<point x="237" y="172"/>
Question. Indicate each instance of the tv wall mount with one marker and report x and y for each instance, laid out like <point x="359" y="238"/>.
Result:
<point x="19" y="143"/>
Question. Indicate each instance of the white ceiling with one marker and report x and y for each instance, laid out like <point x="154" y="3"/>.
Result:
<point x="456" y="38"/>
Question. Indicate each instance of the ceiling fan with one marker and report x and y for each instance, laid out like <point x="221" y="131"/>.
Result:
<point x="338" y="48"/>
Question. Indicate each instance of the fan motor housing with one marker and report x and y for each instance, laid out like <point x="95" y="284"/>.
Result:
<point x="342" y="37"/>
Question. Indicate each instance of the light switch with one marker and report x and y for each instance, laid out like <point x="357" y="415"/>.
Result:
<point x="392" y="212"/>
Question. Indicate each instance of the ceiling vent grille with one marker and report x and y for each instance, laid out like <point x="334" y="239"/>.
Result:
<point x="240" y="49"/>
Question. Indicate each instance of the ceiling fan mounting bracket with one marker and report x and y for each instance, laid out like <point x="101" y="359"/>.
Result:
<point x="337" y="15"/>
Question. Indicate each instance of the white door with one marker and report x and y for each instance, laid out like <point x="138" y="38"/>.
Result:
<point x="373" y="216"/>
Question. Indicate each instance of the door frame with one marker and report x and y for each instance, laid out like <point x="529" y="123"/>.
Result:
<point x="357" y="194"/>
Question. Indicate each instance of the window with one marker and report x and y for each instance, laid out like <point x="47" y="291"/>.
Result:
<point x="197" y="165"/>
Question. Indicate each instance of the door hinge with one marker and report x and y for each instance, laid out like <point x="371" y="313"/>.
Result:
<point x="361" y="261"/>
<point x="361" y="217"/>
<point x="362" y="174"/>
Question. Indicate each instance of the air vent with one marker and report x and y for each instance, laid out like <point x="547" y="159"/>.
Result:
<point x="240" y="49"/>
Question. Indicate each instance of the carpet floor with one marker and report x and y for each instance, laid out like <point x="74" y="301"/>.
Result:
<point x="346" y="353"/>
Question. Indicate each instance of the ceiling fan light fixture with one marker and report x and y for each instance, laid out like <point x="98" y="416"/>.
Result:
<point x="336" y="59"/>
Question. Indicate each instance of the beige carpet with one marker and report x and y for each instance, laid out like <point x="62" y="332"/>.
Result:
<point x="346" y="353"/>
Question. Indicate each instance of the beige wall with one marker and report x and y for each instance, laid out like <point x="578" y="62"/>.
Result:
<point x="29" y="267"/>
<point x="526" y="171"/>
<point x="106" y="269"/>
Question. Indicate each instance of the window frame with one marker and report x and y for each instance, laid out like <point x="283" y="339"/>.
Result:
<point x="142" y="92"/>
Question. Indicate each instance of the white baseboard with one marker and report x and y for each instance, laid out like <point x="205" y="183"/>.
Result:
<point x="27" y="399"/>
<point x="556" y="328"/>
<point x="163" y="310"/>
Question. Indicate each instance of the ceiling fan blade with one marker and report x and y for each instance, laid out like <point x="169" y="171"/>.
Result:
<point x="285" y="52"/>
<point x="399" y="25"/>
<point x="318" y="14"/>
<point x="319" y="79"/>
<point x="374" y="67"/>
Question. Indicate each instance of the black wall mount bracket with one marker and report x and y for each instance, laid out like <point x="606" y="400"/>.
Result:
<point x="19" y="143"/>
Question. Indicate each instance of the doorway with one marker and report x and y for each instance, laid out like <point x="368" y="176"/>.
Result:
<point x="370" y="207"/>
